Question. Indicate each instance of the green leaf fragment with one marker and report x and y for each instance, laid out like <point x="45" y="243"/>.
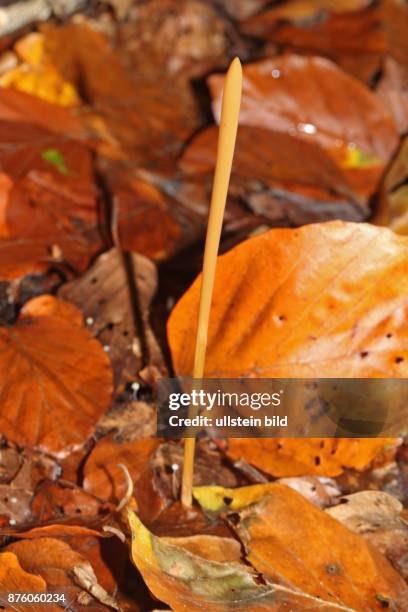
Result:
<point x="54" y="157"/>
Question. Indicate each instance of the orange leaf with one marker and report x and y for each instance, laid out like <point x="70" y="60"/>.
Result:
<point x="294" y="543"/>
<point x="62" y="568"/>
<point x="52" y="374"/>
<point x="48" y="208"/>
<point x="102" y="474"/>
<point x="296" y="181"/>
<point x="14" y="579"/>
<point x="326" y="300"/>
<point x="285" y="457"/>
<point x="314" y="99"/>
<point x="37" y="74"/>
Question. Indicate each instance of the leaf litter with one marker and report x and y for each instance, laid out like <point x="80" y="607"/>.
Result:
<point x="104" y="190"/>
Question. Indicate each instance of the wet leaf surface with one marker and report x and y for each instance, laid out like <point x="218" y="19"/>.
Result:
<point x="293" y="94"/>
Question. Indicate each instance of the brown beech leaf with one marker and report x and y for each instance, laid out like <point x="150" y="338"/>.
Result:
<point x="103" y="476"/>
<point x="312" y="456"/>
<point x="323" y="300"/>
<point x="206" y="573"/>
<point x="378" y="517"/>
<point x="292" y="542"/>
<point x="109" y="294"/>
<point x="321" y="491"/>
<point x="393" y="207"/>
<point x="19" y="107"/>
<point x="143" y="219"/>
<point x="314" y="99"/>
<point x="349" y="32"/>
<point x="48" y="200"/>
<point x="67" y="529"/>
<point x="81" y="54"/>
<point x="16" y="489"/>
<point x="61" y="567"/>
<point x="326" y="300"/>
<point x="55" y="500"/>
<point x="14" y="579"/>
<point x="279" y="176"/>
<point x="303" y="560"/>
<point x="53" y="373"/>
<point x="393" y="91"/>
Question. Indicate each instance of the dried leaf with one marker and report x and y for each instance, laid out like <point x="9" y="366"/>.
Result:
<point x="378" y="517"/>
<point x="338" y="312"/>
<point x="195" y="581"/>
<point x="321" y="491"/>
<point x="349" y="32"/>
<point x="61" y="567"/>
<point x="54" y="500"/>
<point x="103" y="476"/>
<point x="279" y="176"/>
<point x="48" y="204"/>
<point x="324" y="565"/>
<point x="17" y="491"/>
<point x="36" y="74"/>
<point x="312" y="98"/>
<point x="187" y="39"/>
<point x="291" y="541"/>
<point x="19" y="107"/>
<point x="52" y="373"/>
<point x="393" y="91"/>
<point x="13" y="578"/>
<point x="143" y="219"/>
<point x="81" y="54"/>
<point x="393" y="209"/>
<point x="112" y="294"/>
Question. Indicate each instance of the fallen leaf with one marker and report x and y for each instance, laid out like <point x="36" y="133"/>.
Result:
<point x="49" y="200"/>
<point x="57" y="530"/>
<point x="290" y="457"/>
<point x="81" y="54"/>
<point x="115" y="296"/>
<point x="349" y="32"/>
<point x="323" y="300"/>
<point x="13" y="578"/>
<point x="193" y="580"/>
<point x="62" y="568"/>
<point x="36" y="74"/>
<point x="17" y="488"/>
<point x="143" y="219"/>
<point x="291" y="541"/>
<point x="281" y="177"/>
<point x="55" y="500"/>
<point x="310" y="97"/>
<point x="187" y="39"/>
<point x="53" y="373"/>
<point x="321" y="491"/>
<point x="338" y="313"/>
<point x="319" y="565"/>
<point x="393" y="208"/>
<point x="104" y="478"/>
<point x="378" y="517"/>
<point x="393" y="91"/>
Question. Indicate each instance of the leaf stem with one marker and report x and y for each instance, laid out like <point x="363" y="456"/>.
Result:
<point x="231" y="101"/>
